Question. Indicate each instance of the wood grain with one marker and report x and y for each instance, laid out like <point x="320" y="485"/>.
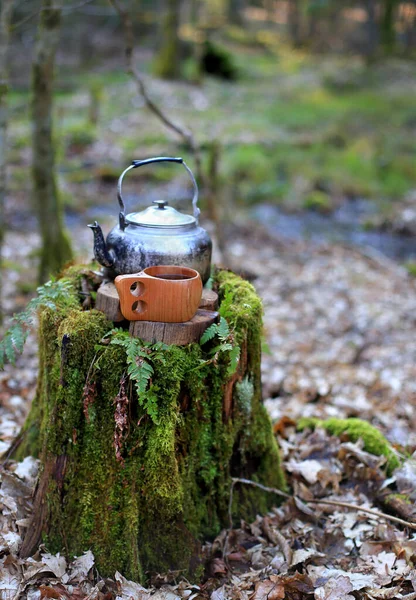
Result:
<point x="179" y="334"/>
<point x="209" y="300"/>
<point x="154" y="294"/>
<point x="108" y="302"/>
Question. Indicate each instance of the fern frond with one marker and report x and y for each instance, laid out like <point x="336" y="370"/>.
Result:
<point x="234" y="360"/>
<point x="226" y="305"/>
<point x="140" y="371"/>
<point x="224" y="347"/>
<point x="158" y="346"/>
<point x="9" y="349"/>
<point x="223" y="329"/>
<point x="209" y="334"/>
<point x="12" y="344"/>
<point x="52" y="294"/>
<point x="151" y="407"/>
<point x="120" y="341"/>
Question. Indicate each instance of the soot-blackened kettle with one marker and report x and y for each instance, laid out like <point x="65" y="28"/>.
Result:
<point x="158" y="235"/>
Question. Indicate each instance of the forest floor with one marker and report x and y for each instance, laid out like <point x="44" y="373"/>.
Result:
<point x="339" y="342"/>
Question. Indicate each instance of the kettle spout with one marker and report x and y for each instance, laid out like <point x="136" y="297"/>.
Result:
<point x="102" y="255"/>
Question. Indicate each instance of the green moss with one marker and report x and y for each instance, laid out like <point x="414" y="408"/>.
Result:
<point x="319" y="201"/>
<point x="80" y="135"/>
<point x="400" y="497"/>
<point x="411" y="268"/>
<point x="152" y="511"/>
<point x="355" y="429"/>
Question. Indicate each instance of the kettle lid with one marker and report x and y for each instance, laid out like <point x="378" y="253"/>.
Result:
<point x="160" y="215"/>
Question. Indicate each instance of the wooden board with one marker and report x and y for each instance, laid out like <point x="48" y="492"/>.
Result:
<point x="209" y="300"/>
<point x="179" y="334"/>
<point x="109" y="303"/>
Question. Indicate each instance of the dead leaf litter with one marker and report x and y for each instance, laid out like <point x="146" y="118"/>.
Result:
<point x="340" y="330"/>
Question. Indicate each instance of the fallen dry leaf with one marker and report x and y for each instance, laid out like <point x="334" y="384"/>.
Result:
<point x="309" y="469"/>
<point x="335" y="589"/>
<point x="129" y="589"/>
<point x="269" y="590"/>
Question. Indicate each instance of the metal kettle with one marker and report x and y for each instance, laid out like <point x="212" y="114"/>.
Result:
<point x="158" y="235"/>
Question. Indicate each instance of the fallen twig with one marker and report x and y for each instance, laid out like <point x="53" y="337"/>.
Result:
<point x="338" y="503"/>
<point x="235" y="480"/>
<point x="57" y="7"/>
<point x="369" y="511"/>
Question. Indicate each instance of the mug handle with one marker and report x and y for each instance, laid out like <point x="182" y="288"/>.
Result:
<point x="131" y="301"/>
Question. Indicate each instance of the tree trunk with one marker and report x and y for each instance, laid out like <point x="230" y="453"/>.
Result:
<point x="56" y="248"/>
<point x="5" y="17"/>
<point x="235" y="14"/>
<point x="168" y="63"/>
<point x="409" y="18"/>
<point x="143" y="478"/>
<point x="270" y="8"/>
<point x="388" y="33"/>
<point x="295" y="22"/>
<point x="194" y="10"/>
<point x="372" y="28"/>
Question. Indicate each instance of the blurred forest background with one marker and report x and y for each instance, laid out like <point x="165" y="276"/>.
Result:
<point x="302" y="113"/>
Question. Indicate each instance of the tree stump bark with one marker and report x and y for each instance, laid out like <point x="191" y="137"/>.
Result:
<point x="143" y="478"/>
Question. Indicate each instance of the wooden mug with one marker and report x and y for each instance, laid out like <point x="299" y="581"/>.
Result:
<point x="164" y="293"/>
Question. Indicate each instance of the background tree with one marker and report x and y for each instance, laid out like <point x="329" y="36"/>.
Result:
<point x="168" y="62"/>
<point x="295" y="22"/>
<point x="235" y="13"/>
<point x="388" y="19"/>
<point x="56" y="248"/>
<point x="5" y="16"/>
<point x="372" y="27"/>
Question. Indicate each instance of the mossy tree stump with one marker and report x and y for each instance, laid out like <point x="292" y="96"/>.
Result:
<point x="143" y="479"/>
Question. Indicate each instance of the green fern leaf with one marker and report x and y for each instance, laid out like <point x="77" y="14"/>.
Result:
<point x="224" y="347"/>
<point x="140" y="371"/>
<point x="12" y="344"/>
<point x="223" y="329"/>
<point x="209" y="334"/>
<point x="151" y="407"/>
<point x="234" y="360"/>
<point x="119" y="341"/>
<point x="18" y="335"/>
<point x="9" y="349"/>
<point x="226" y="305"/>
<point x="159" y="346"/>
<point x="51" y="295"/>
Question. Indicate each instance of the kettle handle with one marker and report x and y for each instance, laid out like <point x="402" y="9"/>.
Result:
<point x="147" y="161"/>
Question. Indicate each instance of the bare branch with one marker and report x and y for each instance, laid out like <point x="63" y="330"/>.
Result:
<point x="262" y="487"/>
<point x="341" y="504"/>
<point x="63" y="8"/>
<point x="235" y="480"/>
<point x="207" y="183"/>
<point x="185" y="133"/>
<point x="369" y="511"/>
